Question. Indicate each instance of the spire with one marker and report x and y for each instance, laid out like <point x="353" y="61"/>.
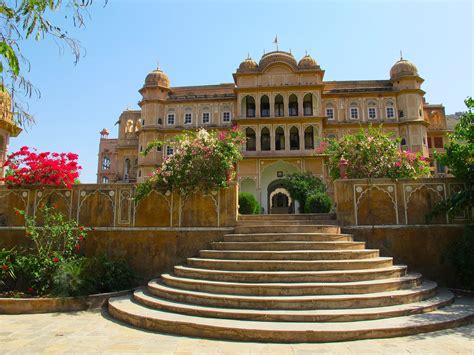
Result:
<point x="401" y="55"/>
<point x="275" y="41"/>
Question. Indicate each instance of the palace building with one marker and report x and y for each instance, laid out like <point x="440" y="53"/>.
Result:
<point x="285" y="107"/>
<point x="8" y="127"/>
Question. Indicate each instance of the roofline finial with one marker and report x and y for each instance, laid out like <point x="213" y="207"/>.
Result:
<point x="401" y="55"/>
<point x="306" y="52"/>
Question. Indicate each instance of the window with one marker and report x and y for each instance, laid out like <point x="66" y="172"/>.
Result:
<point x="158" y="148"/>
<point x="141" y="148"/>
<point x="354" y="113"/>
<point x="308" y="105"/>
<point x="429" y="143"/>
<point x="226" y="116"/>
<point x="372" y="113"/>
<point x="188" y="118"/>
<point x="205" y="117"/>
<point x="438" y="142"/>
<point x="140" y="173"/>
<point x="294" y="139"/>
<point x="279" y="107"/>
<point x="248" y="104"/>
<point x="171" y="118"/>
<point x="332" y="136"/>
<point x="439" y="168"/>
<point x="309" y="138"/>
<point x="279" y="139"/>
<point x="160" y="121"/>
<point x="330" y="113"/>
<point x="251" y="143"/>
<point x="105" y="180"/>
<point x="264" y="106"/>
<point x="390" y="112"/>
<point x="265" y="139"/>
<point x="106" y="163"/>
<point x="403" y="141"/>
<point x="401" y="114"/>
<point x="169" y="150"/>
<point x="293" y="105"/>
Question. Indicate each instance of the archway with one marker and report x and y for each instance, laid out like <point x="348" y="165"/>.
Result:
<point x="279" y="199"/>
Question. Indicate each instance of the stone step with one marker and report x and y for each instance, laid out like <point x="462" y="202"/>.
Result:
<point x="286" y="223"/>
<point x="283" y="228"/>
<point x="292" y="288"/>
<point x="287" y="217"/>
<point x="122" y="308"/>
<point x="290" y="265"/>
<point x="291" y="276"/>
<point x="377" y="299"/>
<point x="290" y="255"/>
<point x="442" y="298"/>
<point x="275" y="237"/>
<point x="288" y="245"/>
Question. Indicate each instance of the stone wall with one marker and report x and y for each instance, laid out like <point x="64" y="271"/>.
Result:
<point x="393" y="202"/>
<point x="95" y="205"/>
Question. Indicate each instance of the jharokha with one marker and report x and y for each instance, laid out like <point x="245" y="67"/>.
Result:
<point x="285" y="108"/>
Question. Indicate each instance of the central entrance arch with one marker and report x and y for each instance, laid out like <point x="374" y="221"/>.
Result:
<point x="279" y="200"/>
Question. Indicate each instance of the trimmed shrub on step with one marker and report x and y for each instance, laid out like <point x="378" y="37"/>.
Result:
<point x="318" y="202"/>
<point x="248" y="204"/>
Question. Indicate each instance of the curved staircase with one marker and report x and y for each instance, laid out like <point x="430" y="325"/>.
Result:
<point x="291" y="279"/>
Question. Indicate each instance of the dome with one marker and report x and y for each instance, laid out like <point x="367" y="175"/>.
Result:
<point x="403" y="68"/>
<point x="248" y="65"/>
<point x="277" y="56"/>
<point x="157" y="78"/>
<point x="307" y="62"/>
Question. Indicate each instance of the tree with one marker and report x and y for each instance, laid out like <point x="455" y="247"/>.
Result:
<point x="302" y="184"/>
<point x="25" y="19"/>
<point x="459" y="158"/>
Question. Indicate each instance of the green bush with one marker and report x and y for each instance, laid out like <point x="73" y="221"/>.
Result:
<point x="461" y="256"/>
<point x="318" y="202"/>
<point x="248" y="204"/>
<point x="302" y="184"/>
<point x="71" y="279"/>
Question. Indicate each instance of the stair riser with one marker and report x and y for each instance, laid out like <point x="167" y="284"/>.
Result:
<point x="301" y="290"/>
<point x="351" y="301"/>
<point x="303" y="336"/>
<point x="288" y="246"/>
<point x="287" y="229"/>
<point x="266" y="277"/>
<point x="287" y="223"/>
<point x="269" y="317"/>
<point x="285" y="218"/>
<point x="310" y="255"/>
<point x="288" y="266"/>
<point x="288" y="238"/>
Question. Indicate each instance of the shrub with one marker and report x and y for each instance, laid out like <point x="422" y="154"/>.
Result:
<point x="71" y="279"/>
<point x="372" y="153"/>
<point x="461" y="255"/>
<point x="302" y="184"/>
<point x="110" y="274"/>
<point x="202" y="161"/>
<point x="27" y="167"/>
<point x="318" y="202"/>
<point x="248" y="204"/>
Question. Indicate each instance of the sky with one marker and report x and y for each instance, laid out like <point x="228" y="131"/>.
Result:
<point x="203" y="42"/>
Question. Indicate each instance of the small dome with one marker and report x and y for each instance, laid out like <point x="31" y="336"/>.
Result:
<point x="307" y="62"/>
<point x="248" y="65"/>
<point x="104" y="132"/>
<point x="403" y="68"/>
<point x="157" y="78"/>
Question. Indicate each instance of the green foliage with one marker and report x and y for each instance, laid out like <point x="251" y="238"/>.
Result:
<point x="110" y="274"/>
<point x="202" y="161"/>
<point x="372" y="153"/>
<point x="461" y="256"/>
<point x="318" y="202"/>
<point x="459" y="158"/>
<point x="71" y="279"/>
<point x="248" y="204"/>
<point x="25" y="19"/>
<point x="7" y="266"/>
<point x="302" y="184"/>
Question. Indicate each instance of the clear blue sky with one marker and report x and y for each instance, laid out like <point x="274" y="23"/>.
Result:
<point x="203" y="42"/>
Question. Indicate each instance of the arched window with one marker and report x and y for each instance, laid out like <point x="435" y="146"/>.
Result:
<point x="372" y="110"/>
<point x="248" y="105"/>
<point x="105" y="180"/>
<point x="308" y="105"/>
<point x="106" y="163"/>
<point x="293" y="105"/>
<point x="160" y="121"/>
<point x="403" y="142"/>
<point x="309" y="138"/>
<point x="279" y="139"/>
<point x="265" y="139"/>
<point x="279" y="106"/>
<point x="126" y="169"/>
<point x="250" y="145"/>
<point x="294" y="138"/>
<point x="264" y="106"/>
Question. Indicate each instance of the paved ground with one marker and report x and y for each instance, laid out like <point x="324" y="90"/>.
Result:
<point x="95" y="332"/>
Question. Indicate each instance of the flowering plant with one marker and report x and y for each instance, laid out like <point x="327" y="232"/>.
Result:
<point x="28" y="167"/>
<point x="372" y="153"/>
<point x="202" y="161"/>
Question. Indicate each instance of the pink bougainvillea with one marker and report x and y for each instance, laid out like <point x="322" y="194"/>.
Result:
<point x="28" y="167"/>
